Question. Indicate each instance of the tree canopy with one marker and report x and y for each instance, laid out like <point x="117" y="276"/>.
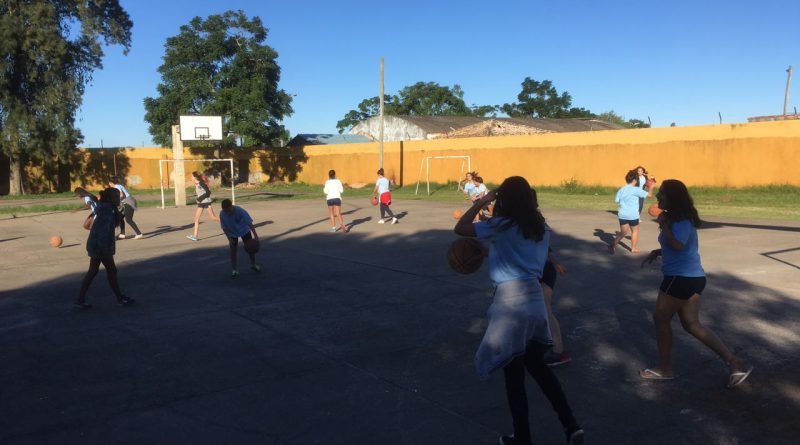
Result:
<point x="541" y="99"/>
<point x="420" y="99"/>
<point x="49" y="50"/>
<point x="221" y="66"/>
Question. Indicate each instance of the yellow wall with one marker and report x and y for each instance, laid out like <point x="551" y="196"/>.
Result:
<point x="720" y="155"/>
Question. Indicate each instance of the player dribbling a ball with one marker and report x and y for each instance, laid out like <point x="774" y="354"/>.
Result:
<point x="237" y="223"/>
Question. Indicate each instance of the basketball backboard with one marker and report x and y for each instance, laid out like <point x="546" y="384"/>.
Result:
<point x="201" y="128"/>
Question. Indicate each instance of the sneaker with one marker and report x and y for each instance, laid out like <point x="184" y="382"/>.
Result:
<point x="193" y="238"/>
<point x="381" y="221"/>
<point x="256" y="268"/>
<point x="557" y="358"/>
<point x="333" y="230"/>
<point x="575" y="436"/>
<point x="508" y="440"/>
<point x="139" y="236"/>
<point x="121" y="236"/>
<point x="234" y="273"/>
<point x="125" y="301"/>
<point x="345" y="229"/>
<point x="394" y="220"/>
<point x="81" y="306"/>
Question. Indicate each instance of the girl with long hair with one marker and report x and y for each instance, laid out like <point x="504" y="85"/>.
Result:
<point x="333" y="190"/>
<point x="683" y="283"/>
<point x="203" y="198"/>
<point x="101" y="247"/>
<point x="384" y="195"/>
<point x="517" y="335"/>
<point x="128" y="206"/>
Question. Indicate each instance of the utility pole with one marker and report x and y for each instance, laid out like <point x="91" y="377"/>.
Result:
<point x="785" y="97"/>
<point x="380" y="146"/>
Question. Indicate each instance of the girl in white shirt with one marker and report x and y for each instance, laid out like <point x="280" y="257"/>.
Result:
<point x="333" y="192"/>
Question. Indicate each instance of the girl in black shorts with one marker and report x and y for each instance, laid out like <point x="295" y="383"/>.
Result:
<point x="204" y="201"/>
<point x="684" y="281"/>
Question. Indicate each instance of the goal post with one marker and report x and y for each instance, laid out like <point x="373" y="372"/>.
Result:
<point x="426" y="163"/>
<point x="161" y="174"/>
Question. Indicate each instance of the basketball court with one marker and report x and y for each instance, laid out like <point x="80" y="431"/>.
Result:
<point x="368" y="336"/>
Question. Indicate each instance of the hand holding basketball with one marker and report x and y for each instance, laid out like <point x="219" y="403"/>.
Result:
<point x="466" y="255"/>
<point x="374" y="200"/>
<point x="654" y="211"/>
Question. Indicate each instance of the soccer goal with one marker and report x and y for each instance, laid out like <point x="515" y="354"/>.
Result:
<point x="165" y="176"/>
<point x="426" y="163"/>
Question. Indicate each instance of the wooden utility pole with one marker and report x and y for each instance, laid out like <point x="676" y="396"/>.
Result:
<point x="786" y="96"/>
<point x="180" y="175"/>
<point x="380" y="132"/>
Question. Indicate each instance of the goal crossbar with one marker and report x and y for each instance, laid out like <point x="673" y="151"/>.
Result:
<point x="161" y="174"/>
<point x="426" y="162"/>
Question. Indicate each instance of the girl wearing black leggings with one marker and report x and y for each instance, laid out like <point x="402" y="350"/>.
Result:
<point x="518" y="334"/>
<point x="127" y="208"/>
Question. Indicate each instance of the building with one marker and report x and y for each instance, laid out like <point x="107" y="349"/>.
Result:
<point x="302" y="140"/>
<point x="405" y="128"/>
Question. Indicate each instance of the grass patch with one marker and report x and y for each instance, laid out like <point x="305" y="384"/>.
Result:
<point x="775" y="202"/>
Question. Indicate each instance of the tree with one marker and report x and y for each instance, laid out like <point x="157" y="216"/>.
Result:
<point x="221" y="66"/>
<point x="49" y="50"/>
<point x="611" y="116"/>
<point x="420" y="99"/>
<point x="541" y="99"/>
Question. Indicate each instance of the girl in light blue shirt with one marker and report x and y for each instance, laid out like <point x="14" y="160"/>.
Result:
<point x="628" y="214"/>
<point x="684" y="281"/>
<point x="517" y="335"/>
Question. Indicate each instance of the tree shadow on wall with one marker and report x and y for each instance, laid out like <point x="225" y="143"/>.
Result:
<point x="92" y="167"/>
<point x="282" y="164"/>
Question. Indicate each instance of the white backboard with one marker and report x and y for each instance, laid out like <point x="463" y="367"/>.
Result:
<point x="201" y="128"/>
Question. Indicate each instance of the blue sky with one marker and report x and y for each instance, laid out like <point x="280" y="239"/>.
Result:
<point x="680" y="61"/>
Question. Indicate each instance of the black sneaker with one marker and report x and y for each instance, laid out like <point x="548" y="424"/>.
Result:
<point x="125" y="301"/>
<point x="575" y="436"/>
<point x="507" y="440"/>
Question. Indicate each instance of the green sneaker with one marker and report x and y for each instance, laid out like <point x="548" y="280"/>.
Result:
<point x="256" y="267"/>
<point x="234" y="273"/>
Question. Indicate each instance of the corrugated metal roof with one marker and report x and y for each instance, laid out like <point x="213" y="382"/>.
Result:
<point x="327" y="139"/>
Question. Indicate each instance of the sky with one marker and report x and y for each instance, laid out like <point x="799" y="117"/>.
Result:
<point x="682" y="61"/>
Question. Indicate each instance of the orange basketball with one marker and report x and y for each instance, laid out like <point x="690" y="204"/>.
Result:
<point x="252" y="245"/>
<point x="466" y="255"/>
<point x="654" y="211"/>
<point x="55" y="241"/>
<point x="374" y="200"/>
<point x="457" y="214"/>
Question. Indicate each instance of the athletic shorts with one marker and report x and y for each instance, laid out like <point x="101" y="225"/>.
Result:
<point x="235" y="241"/>
<point x="682" y="288"/>
<point x="630" y="222"/>
<point x="335" y="202"/>
<point x="549" y="275"/>
<point x="203" y="205"/>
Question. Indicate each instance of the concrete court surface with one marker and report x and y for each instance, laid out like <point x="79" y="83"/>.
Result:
<point x="368" y="337"/>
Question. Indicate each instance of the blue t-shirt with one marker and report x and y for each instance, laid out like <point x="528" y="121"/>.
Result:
<point x="628" y="199"/>
<point x="383" y="185"/>
<point x="686" y="262"/>
<point x="124" y="191"/>
<point x="512" y="257"/>
<point x="470" y="189"/>
<point x="235" y="225"/>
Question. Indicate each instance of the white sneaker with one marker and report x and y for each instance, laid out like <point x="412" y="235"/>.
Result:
<point x="121" y="236"/>
<point x="394" y="220"/>
<point x="139" y="236"/>
<point x="381" y="221"/>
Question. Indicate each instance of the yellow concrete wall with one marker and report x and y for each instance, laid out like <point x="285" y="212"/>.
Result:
<point x="720" y="155"/>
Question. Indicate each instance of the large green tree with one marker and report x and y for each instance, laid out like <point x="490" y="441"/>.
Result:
<point x="419" y="99"/>
<point x="221" y="66"/>
<point x="541" y="99"/>
<point x="611" y="116"/>
<point x="48" y="51"/>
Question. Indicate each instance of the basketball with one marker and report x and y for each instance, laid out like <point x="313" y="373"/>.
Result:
<point x="252" y="245"/>
<point x="654" y="211"/>
<point x="466" y="255"/>
<point x="55" y="241"/>
<point x="374" y="200"/>
<point x="457" y="214"/>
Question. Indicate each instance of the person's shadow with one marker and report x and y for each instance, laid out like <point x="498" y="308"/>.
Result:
<point x="357" y="222"/>
<point x="608" y="238"/>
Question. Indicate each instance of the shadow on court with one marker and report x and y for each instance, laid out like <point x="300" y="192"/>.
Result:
<point x="368" y="334"/>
